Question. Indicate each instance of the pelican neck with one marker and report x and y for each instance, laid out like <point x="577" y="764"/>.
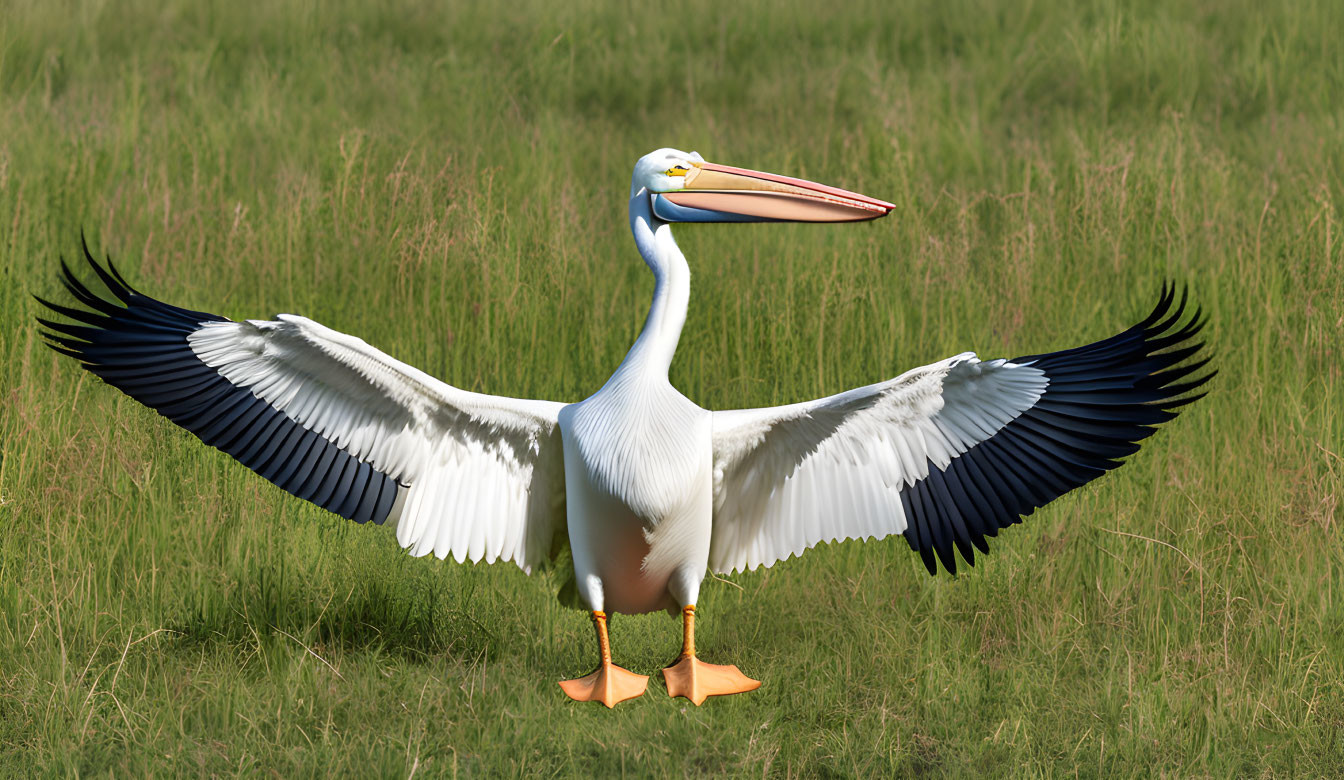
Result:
<point x="652" y="353"/>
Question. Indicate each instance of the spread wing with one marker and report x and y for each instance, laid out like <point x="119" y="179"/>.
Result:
<point x="946" y="454"/>
<point x="333" y="420"/>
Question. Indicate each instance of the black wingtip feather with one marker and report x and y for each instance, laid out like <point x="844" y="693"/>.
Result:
<point x="139" y="345"/>
<point x="84" y="295"/>
<point x="117" y="274"/>
<point x="1101" y="401"/>
<point x="111" y="284"/>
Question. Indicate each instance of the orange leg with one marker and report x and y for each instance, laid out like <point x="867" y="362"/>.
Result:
<point x="697" y="680"/>
<point x="610" y="683"/>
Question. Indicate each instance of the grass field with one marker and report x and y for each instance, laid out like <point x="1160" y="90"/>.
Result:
<point x="450" y="183"/>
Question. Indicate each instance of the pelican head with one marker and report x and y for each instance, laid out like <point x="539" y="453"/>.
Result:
<point x="682" y="187"/>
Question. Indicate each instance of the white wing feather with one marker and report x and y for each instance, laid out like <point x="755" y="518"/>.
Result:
<point x="790" y="477"/>
<point x="483" y="475"/>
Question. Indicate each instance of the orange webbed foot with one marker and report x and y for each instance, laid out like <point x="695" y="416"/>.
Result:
<point x="696" y="680"/>
<point x="609" y="684"/>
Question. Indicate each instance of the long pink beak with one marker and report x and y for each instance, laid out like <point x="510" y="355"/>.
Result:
<point x="742" y="195"/>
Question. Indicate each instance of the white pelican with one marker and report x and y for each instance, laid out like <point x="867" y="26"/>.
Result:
<point x="655" y="489"/>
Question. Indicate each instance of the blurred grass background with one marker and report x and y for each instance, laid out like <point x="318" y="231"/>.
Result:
<point x="449" y="183"/>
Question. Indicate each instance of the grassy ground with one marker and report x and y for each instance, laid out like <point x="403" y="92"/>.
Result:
<point x="450" y="184"/>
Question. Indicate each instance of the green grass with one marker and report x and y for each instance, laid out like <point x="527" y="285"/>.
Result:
<point x="450" y="184"/>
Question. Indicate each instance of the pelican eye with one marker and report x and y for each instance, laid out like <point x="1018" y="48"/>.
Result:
<point x="677" y="170"/>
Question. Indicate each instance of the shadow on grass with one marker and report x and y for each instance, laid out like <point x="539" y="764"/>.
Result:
<point x="266" y="603"/>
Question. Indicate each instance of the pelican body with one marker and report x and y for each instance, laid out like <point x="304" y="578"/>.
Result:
<point x="639" y="455"/>
<point x="654" y="490"/>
